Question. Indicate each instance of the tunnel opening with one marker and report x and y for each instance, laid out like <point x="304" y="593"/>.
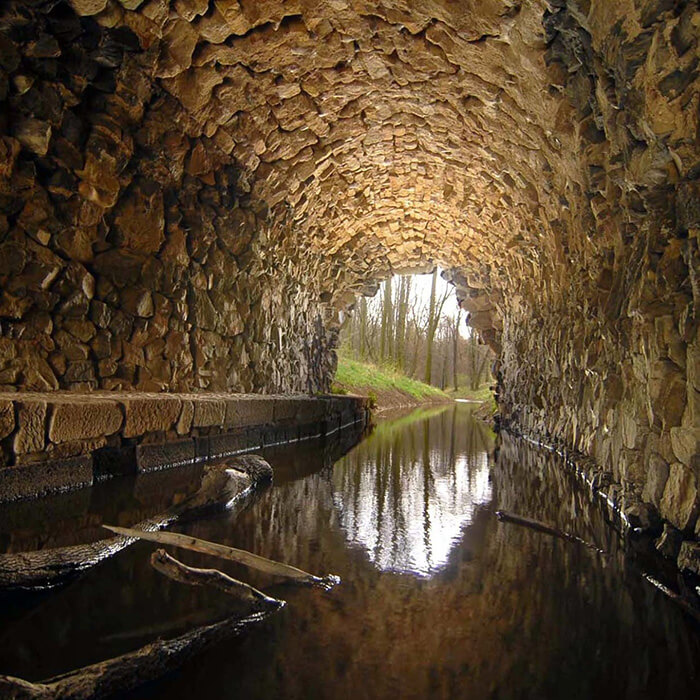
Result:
<point x="412" y="325"/>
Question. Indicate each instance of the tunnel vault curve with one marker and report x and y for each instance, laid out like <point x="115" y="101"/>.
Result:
<point x="192" y="192"/>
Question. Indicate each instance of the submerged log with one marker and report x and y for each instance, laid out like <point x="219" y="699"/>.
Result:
<point x="223" y="551"/>
<point x="679" y="600"/>
<point x="223" y="486"/>
<point x="253" y="598"/>
<point x="128" y="671"/>
<point x="545" y="528"/>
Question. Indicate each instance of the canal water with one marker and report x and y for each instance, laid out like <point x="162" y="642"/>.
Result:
<point x="438" y="599"/>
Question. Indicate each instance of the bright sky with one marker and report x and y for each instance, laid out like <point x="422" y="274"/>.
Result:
<point x="420" y="294"/>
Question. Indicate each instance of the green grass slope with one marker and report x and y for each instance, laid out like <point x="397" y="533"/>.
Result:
<point x="360" y="378"/>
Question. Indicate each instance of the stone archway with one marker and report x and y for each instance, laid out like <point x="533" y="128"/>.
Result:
<point x="192" y="190"/>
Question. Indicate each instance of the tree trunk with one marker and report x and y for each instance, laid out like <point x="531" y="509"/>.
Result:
<point x="240" y="556"/>
<point x="431" y="331"/>
<point x="387" y="323"/>
<point x="455" y="349"/>
<point x="363" y="328"/>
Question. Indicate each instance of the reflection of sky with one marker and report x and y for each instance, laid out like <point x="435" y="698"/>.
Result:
<point x="408" y="517"/>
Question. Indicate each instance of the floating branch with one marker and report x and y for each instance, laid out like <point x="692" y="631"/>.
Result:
<point x="547" y="529"/>
<point x="176" y="570"/>
<point x="223" y="486"/>
<point x="679" y="600"/>
<point x="223" y="551"/>
<point x="675" y="597"/>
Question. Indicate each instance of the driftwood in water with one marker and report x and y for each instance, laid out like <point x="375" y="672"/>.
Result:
<point x="222" y="486"/>
<point x="543" y="527"/>
<point x="176" y="570"/>
<point x="124" y="673"/>
<point x="50" y="567"/>
<point x="675" y="597"/>
<point x="223" y="551"/>
<point x="679" y="600"/>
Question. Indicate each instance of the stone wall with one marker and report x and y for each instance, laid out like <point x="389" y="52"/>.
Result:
<point x="59" y="441"/>
<point x="131" y="253"/>
<point x="604" y="357"/>
<point x="192" y="192"/>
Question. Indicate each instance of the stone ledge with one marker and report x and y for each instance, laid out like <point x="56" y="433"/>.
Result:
<point x="61" y="440"/>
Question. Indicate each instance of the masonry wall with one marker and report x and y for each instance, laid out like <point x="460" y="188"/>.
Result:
<point x="132" y="255"/>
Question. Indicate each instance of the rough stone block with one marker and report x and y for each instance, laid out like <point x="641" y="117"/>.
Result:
<point x="88" y="7"/>
<point x="184" y="422"/>
<point x="84" y="420"/>
<point x="7" y="418"/>
<point x="689" y="557"/>
<point x="255" y="438"/>
<point x="114" y="461"/>
<point x="31" y="420"/>
<point x="228" y="443"/>
<point x="669" y="543"/>
<point x="201" y="447"/>
<point x="657" y="476"/>
<point x="145" y="415"/>
<point x="208" y="413"/>
<point x="301" y="410"/>
<point x="164" y="456"/>
<point x="249" y="410"/>
<point x="286" y="409"/>
<point x="679" y="504"/>
<point x="45" y="477"/>
<point x="684" y="442"/>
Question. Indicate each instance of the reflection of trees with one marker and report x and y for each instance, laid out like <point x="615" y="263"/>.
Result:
<point x="513" y="614"/>
<point x="406" y="493"/>
<point x="510" y="614"/>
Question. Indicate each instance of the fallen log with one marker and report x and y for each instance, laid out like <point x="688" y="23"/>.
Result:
<point x="126" y="672"/>
<point x="240" y="556"/>
<point x="47" y="568"/>
<point x="223" y="486"/>
<point x="254" y="599"/>
<point x="547" y="529"/>
<point x="679" y="600"/>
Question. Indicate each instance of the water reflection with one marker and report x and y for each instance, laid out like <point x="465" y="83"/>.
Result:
<point x="406" y="493"/>
<point x="506" y="612"/>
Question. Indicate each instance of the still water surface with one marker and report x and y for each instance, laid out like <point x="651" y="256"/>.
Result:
<point x="438" y="599"/>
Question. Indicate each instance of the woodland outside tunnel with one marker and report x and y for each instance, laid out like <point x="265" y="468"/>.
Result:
<point x="192" y="191"/>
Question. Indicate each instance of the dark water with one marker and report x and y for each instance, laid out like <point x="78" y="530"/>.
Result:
<point x="438" y="599"/>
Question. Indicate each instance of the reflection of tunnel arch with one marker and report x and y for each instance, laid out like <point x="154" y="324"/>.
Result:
<point x="192" y="190"/>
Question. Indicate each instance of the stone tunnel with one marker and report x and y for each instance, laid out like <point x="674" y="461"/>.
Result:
<point x="194" y="192"/>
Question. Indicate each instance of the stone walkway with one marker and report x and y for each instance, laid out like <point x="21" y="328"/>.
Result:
<point x="53" y="441"/>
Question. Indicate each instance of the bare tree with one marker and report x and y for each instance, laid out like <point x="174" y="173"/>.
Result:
<point x="434" y="313"/>
<point x="455" y="349"/>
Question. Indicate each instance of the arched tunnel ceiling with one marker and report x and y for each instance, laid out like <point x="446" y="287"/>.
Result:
<point x="189" y="147"/>
<point x="400" y="133"/>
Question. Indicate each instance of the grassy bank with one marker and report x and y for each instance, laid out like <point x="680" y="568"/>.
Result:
<point x="387" y="387"/>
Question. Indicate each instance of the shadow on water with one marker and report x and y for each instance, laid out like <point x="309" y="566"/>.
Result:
<point x="438" y="599"/>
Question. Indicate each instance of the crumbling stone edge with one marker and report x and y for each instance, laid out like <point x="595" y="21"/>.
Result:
<point x="57" y="442"/>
